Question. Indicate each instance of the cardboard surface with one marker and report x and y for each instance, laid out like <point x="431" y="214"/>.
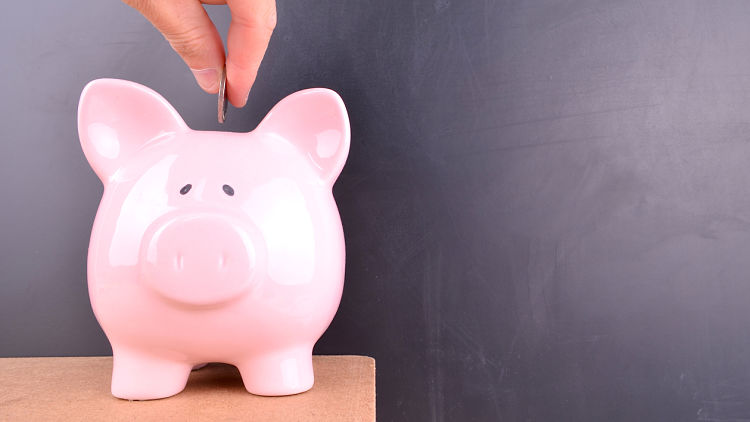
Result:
<point x="78" y="388"/>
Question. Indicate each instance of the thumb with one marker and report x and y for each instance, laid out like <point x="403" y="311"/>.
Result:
<point x="190" y="32"/>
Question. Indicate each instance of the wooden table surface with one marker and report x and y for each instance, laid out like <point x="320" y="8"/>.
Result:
<point x="78" y="388"/>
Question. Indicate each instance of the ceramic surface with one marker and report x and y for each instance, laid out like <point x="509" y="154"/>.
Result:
<point x="213" y="246"/>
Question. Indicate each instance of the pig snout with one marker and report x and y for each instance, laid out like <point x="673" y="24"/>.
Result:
<point x="198" y="260"/>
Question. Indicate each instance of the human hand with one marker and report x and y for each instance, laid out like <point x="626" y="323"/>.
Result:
<point x="189" y="30"/>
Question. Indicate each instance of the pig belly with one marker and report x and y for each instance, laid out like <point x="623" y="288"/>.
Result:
<point x="156" y="343"/>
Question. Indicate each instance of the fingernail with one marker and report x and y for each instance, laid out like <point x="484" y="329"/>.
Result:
<point x="208" y="79"/>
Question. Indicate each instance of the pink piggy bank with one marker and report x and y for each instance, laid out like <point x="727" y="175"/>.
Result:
<point x="213" y="246"/>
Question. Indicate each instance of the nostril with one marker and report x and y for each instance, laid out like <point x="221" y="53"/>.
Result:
<point x="179" y="262"/>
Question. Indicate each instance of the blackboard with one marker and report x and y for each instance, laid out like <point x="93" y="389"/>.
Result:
<point x="546" y="204"/>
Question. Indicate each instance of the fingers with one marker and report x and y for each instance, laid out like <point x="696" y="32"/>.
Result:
<point x="253" y="22"/>
<point x="189" y="30"/>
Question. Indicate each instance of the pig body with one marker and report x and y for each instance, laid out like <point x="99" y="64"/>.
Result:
<point x="213" y="246"/>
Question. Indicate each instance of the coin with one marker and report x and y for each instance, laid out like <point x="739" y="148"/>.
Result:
<point x="223" y="95"/>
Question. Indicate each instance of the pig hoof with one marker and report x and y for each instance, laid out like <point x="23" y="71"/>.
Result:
<point x="277" y="375"/>
<point x="139" y="378"/>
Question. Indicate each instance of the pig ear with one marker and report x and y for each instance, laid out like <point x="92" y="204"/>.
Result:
<point x="315" y="121"/>
<point x="117" y="117"/>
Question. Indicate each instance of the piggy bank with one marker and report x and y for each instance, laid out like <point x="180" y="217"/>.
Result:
<point x="213" y="246"/>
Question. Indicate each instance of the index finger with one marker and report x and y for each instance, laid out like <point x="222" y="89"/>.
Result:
<point x="253" y="22"/>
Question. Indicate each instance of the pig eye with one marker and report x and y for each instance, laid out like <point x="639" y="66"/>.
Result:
<point x="185" y="189"/>
<point x="228" y="190"/>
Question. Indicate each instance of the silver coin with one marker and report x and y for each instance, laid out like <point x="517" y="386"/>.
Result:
<point x="223" y="96"/>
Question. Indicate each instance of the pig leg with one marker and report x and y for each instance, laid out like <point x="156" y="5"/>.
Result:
<point x="136" y="376"/>
<point x="279" y="372"/>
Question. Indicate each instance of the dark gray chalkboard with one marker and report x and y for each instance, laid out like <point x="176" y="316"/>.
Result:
<point x="546" y="206"/>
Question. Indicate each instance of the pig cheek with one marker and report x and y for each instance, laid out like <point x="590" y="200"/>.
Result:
<point x="143" y="203"/>
<point x="283" y="217"/>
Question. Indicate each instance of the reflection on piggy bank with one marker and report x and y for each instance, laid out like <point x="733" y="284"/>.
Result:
<point x="213" y="246"/>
